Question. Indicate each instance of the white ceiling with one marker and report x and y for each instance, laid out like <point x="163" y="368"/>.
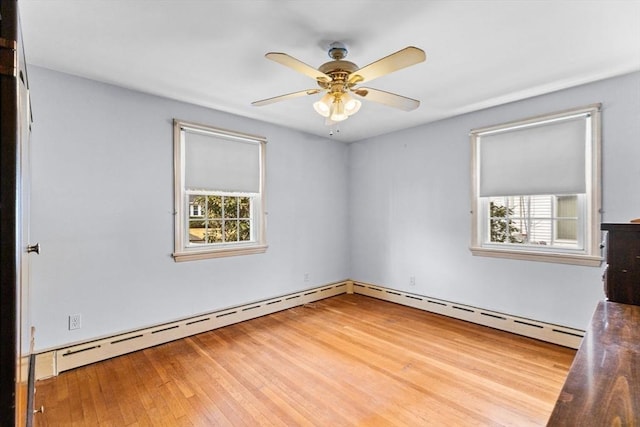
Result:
<point x="211" y="52"/>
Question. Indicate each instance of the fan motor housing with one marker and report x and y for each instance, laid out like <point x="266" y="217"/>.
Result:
<point x="338" y="66"/>
<point x="339" y="72"/>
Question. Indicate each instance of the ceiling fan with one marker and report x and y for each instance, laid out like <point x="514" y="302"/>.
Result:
<point x="338" y="80"/>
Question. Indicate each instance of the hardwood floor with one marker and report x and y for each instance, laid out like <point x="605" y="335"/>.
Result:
<point x="349" y="360"/>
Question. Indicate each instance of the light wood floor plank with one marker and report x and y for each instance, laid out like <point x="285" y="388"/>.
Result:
<point x="348" y="360"/>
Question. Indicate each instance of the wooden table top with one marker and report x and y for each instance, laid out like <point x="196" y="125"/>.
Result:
<point x="603" y="385"/>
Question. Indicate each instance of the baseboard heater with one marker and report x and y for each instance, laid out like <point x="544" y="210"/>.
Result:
<point x="561" y="335"/>
<point x="53" y="362"/>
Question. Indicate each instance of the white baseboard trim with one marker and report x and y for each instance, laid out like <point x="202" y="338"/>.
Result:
<point x="561" y="335"/>
<point x="51" y="363"/>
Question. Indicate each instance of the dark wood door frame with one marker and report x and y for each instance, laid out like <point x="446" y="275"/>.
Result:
<point x="9" y="200"/>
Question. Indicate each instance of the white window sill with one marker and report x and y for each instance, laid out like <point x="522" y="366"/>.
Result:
<point x="218" y="253"/>
<point x="560" y="258"/>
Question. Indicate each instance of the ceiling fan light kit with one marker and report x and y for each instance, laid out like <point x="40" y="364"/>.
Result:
<point x="337" y="106"/>
<point x="338" y="78"/>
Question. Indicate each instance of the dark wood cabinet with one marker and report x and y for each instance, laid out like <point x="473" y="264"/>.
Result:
<point x="603" y="385"/>
<point x="622" y="275"/>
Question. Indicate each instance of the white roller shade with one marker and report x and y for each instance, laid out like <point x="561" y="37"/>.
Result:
<point x="542" y="159"/>
<point x="215" y="163"/>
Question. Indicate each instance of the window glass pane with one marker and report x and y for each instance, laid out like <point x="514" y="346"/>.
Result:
<point x="214" y="232"/>
<point x="245" y="208"/>
<point x="231" y="231"/>
<point x="230" y="207"/>
<point x="196" y="232"/>
<point x="196" y="206"/>
<point x="540" y="232"/>
<point x="567" y="206"/>
<point x="567" y="213"/>
<point x="567" y="229"/>
<point x="214" y="208"/>
<point x="502" y="227"/>
<point x="498" y="230"/>
<point x="244" y="230"/>
<point x="540" y="206"/>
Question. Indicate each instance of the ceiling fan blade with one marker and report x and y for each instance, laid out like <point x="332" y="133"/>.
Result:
<point x="396" y="61"/>
<point x="387" y="98"/>
<point x="283" y="97"/>
<point x="299" y="66"/>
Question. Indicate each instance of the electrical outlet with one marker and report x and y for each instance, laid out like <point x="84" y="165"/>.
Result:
<point x="306" y="277"/>
<point x="412" y="280"/>
<point x="75" y="321"/>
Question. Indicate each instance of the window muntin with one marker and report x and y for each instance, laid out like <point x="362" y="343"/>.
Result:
<point x="219" y="192"/>
<point x="512" y="166"/>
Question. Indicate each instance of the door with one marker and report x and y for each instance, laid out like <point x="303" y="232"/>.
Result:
<point x="25" y="332"/>
<point x="15" y="120"/>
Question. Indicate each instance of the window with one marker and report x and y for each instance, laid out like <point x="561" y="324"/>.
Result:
<point x="219" y="192"/>
<point x="536" y="188"/>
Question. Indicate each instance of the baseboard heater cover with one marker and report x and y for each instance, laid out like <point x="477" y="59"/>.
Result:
<point x="53" y="362"/>
<point x="105" y="348"/>
<point x="561" y="335"/>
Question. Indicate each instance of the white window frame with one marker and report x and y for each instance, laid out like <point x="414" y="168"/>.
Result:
<point x="184" y="250"/>
<point x="589" y="216"/>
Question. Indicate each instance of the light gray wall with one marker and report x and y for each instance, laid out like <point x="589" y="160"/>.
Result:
<point x="102" y="203"/>
<point x="410" y="202"/>
<point x="379" y="211"/>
